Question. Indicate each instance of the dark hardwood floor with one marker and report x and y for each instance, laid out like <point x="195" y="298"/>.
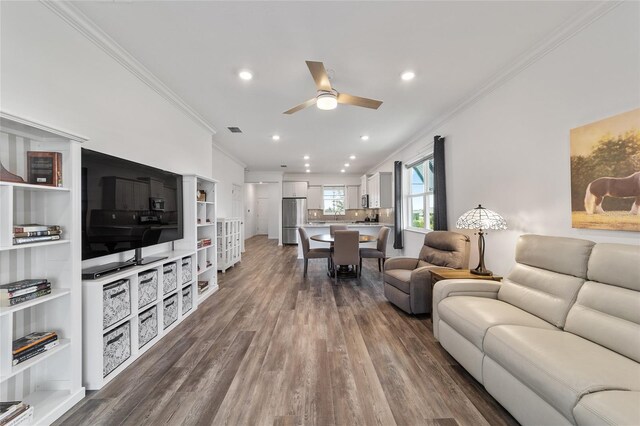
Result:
<point x="273" y="348"/>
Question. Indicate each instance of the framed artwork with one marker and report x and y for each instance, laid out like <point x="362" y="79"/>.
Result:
<point x="605" y="173"/>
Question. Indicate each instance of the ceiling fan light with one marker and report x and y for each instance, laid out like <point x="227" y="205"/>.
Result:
<point x="326" y="101"/>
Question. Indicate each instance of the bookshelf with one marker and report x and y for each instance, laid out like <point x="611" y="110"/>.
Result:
<point x="229" y="236"/>
<point x="52" y="381"/>
<point x="200" y="226"/>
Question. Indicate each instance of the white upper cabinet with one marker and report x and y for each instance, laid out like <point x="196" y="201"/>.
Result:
<point x="379" y="187"/>
<point x="364" y="189"/>
<point x="314" y="198"/>
<point x="294" y="189"/>
<point x="353" y="197"/>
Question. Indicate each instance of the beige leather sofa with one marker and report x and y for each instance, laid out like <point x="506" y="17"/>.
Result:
<point x="558" y="341"/>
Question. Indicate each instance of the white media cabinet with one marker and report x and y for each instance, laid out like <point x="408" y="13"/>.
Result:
<point x="118" y="324"/>
<point x="229" y="235"/>
<point x="118" y="343"/>
<point x="52" y="381"/>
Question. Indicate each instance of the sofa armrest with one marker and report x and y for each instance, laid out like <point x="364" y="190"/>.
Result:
<point x="461" y="287"/>
<point x="401" y="263"/>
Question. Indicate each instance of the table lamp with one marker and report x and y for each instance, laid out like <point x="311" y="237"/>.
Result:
<point x="481" y="219"/>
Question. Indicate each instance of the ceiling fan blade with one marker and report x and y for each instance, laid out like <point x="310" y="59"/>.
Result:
<point x="344" y="98"/>
<point x="319" y="75"/>
<point x="303" y="105"/>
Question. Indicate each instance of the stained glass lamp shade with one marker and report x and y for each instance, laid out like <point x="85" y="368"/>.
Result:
<point x="481" y="219"/>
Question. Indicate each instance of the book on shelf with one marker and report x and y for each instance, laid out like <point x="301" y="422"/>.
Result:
<point x="36" y="233"/>
<point x="44" y="168"/>
<point x="7" y="408"/>
<point x="32" y="340"/>
<point x="35" y="227"/>
<point x="22" y="284"/>
<point x="35" y="351"/>
<point x="15" y="297"/>
<point x="27" y="240"/>
<point x="25" y="297"/>
<point x="19" y="414"/>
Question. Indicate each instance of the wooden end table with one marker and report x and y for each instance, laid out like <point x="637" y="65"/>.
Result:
<point x="438" y="274"/>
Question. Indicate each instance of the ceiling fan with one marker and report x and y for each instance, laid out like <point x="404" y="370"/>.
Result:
<point x="327" y="97"/>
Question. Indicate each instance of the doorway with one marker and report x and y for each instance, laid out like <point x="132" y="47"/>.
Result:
<point x="263" y="216"/>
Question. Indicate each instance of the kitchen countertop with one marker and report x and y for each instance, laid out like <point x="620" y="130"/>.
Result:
<point x="349" y="225"/>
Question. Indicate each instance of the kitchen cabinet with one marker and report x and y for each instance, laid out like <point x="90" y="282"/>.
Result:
<point x="294" y="189"/>
<point x="379" y="187"/>
<point x="314" y="198"/>
<point x="353" y="197"/>
<point x="364" y="189"/>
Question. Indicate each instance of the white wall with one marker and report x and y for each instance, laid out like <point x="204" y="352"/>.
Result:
<point x="54" y="75"/>
<point x="228" y="171"/>
<point x="510" y="150"/>
<point x="323" y="179"/>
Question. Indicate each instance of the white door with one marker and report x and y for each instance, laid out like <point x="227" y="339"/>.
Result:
<point x="263" y="216"/>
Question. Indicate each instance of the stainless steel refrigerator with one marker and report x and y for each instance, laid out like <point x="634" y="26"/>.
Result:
<point x="294" y="214"/>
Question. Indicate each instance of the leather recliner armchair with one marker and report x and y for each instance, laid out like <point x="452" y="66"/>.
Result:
<point x="407" y="281"/>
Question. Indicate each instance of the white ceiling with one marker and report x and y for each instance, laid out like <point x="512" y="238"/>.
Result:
<point x="197" y="49"/>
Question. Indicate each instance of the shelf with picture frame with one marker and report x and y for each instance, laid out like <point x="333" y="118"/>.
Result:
<point x="52" y="381"/>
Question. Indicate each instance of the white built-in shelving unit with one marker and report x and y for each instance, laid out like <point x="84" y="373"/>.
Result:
<point x="229" y="236"/>
<point x="121" y="325"/>
<point x="52" y="381"/>
<point x="199" y="225"/>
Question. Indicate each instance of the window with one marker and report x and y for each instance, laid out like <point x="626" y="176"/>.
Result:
<point x="420" y="195"/>
<point x="333" y="200"/>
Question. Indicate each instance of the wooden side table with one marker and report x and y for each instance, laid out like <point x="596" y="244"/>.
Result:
<point x="438" y="274"/>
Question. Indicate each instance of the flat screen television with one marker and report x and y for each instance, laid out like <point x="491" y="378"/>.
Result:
<point x="127" y="205"/>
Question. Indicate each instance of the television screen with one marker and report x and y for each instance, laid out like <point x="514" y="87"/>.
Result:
<point x="127" y="205"/>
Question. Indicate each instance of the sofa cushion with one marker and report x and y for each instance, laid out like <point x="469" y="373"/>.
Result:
<point x="473" y="316"/>
<point x="545" y="294"/>
<point x="399" y="278"/>
<point x="616" y="264"/>
<point x="608" y="408"/>
<point x="445" y="248"/>
<point x="608" y="315"/>
<point x="559" y="366"/>
<point x="568" y="256"/>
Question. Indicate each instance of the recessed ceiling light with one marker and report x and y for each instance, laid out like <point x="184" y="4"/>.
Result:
<point x="408" y="75"/>
<point x="245" y="75"/>
<point x="346" y="164"/>
<point x="308" y="171"/>
<point x="306" y="164"/>
<point x="275" y="137"/>
<point x="352" y="157"/>
<point x="306" y="157"/>
<point x="260" y="183"/>
<point x="364" y="137"/>
<point x="342" y="171"/>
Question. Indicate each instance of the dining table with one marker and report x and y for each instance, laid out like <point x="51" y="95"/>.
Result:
<point x="328" y="238"/>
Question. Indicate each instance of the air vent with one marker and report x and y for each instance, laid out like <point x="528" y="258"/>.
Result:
<point x="283" y="165"/>
<point x="234" y="129"/>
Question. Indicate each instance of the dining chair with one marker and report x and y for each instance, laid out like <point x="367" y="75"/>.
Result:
<point x="312" y="253"/>
<point x="380" y="252"/>
<point x="334" y="228"/>
<point x="345" y="250"/>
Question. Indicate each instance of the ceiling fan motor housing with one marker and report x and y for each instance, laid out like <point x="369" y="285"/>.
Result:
<point x="327" y="100"/>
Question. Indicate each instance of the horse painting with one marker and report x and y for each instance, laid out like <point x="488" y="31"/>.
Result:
<point x="612" y="187"/>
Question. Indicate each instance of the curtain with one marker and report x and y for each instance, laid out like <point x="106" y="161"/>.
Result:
<point x="397" y="204"/>
<point x="439" y="187"/>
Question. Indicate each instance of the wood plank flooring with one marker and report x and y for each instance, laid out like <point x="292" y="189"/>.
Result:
<point x="274" y="348"/>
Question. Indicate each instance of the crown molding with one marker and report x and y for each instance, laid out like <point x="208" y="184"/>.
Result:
<point x="560" y="35"/>
<point x="85" y="26"/>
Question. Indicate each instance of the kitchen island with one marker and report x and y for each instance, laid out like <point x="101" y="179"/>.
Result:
<point x="366" y="228"/>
